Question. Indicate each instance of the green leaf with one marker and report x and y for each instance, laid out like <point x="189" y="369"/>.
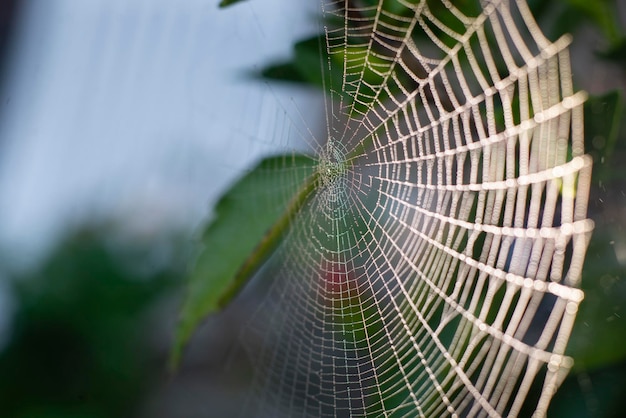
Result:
<point x="305" y="66"/>
<point x="283" y="72"/>
<point x="249" y="223"/>
<point x="226" y="3"/>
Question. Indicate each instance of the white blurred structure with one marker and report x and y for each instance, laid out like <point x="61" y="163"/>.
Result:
<point x="137" y="107"/>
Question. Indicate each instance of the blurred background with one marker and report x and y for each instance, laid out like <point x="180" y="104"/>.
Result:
<point x="122" y="122"/>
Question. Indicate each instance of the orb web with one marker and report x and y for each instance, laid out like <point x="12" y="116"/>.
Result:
<point x="434" y="270"/>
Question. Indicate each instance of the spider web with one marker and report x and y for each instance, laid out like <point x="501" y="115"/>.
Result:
<point x="434" y="271"/>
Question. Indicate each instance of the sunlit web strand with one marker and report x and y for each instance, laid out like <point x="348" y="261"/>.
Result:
<point x="431" y="273"/>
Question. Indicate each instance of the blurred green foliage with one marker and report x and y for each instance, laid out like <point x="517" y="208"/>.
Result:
<point x="244" y="231"/>
<point x="597" y="385"/>
<point x="557" y="17"/>
<point x="80" y="344"/>
<point x="226" y="3"/>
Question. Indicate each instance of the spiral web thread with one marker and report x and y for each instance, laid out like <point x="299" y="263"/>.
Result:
<point x="434" y="271"/>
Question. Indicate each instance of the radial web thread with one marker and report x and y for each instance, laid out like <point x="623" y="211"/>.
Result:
<point x="435" y="270"/>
